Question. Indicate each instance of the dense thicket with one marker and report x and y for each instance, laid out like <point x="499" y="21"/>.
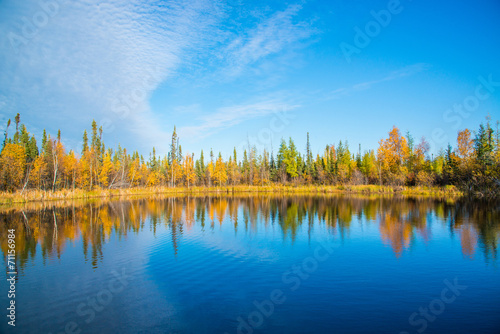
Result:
<point x="473" y="165"/>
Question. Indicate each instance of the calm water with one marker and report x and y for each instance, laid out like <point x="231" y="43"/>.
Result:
<point x="255" y="265"/>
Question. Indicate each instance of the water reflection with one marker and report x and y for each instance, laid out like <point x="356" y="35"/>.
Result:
<point x="48" y="228"/>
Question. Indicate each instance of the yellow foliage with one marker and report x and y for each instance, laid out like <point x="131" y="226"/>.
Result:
<point x="12" y="166"/>
<point x="70" y="166"/>
<point x="84" y="176"/>
<point x="392" y="153"/>
<point x="188" y="170"/>
<point x="134" y="172"/>
<point x="106" y="170"/>
<point x="220" y="173"/>
<point x="154" y="179"/>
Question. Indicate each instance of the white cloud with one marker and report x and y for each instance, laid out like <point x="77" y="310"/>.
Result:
<point x="271" y="36"/>
<point x="227" y="117"/>
<point x="104" y="59"/>
<point x="91" y="60"/>
<point x="406" y="71"/>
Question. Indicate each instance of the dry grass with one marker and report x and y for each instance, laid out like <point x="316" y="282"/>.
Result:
<point x="41" y="196"/>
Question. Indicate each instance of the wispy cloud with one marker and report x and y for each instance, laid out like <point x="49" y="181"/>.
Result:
<point x="230" y="116"/>
<point x="103" y="60"/>
<point x="272" y="35"/>
<point x="92" y="54"/>
<point x="404" y="72"/>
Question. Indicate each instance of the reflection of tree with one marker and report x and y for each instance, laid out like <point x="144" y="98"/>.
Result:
<point x="395" y="232"/>
<point x="478" y="223"/>
<point x="468" y="240"/>
<point x="173" y="218"/>
<point x="400" y="220"/>
<point x="51" y="226"/>
<point x="289" y="219"/>
<point x="233" y="213"/>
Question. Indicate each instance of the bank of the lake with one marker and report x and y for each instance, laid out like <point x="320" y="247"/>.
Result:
<point x="215" y="263"/>
<point x="40" y="196"/>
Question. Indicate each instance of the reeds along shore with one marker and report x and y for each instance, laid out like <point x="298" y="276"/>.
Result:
<point x="40" y="196"/>
<point x="32" y="172"/>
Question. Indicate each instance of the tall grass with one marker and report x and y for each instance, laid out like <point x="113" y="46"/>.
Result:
<point x="65" y="194"/>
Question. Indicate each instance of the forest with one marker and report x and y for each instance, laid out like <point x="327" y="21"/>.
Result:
<point x="472" y="165"/>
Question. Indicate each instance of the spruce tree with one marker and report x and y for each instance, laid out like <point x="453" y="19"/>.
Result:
<point x="85" y="147"/>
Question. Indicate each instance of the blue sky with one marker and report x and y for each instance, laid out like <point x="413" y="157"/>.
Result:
<point x="239" y="73"/>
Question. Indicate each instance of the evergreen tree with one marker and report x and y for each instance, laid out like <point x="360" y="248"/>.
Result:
<point x="17" y="119"/>
<point x="85" y="147"/>
<point x="245" y="167"/>
<point x="6" y="134"/>
<point x="281" y="163"/>
<point x="153" y="163"/>
<point x="44" y="140"/>
<point x="484" y="144"/>
<point x="173" y="157"/>
<point x="272" y="168"/>
<point x="95" y="140"/>
<point x="33" y="149"/>
<point x="290" y="159"/>
<point x="200" y="168"/>
<point x="309" y="158"/>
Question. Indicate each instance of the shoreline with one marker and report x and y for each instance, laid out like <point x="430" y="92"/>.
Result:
<point x="48" y="196"/>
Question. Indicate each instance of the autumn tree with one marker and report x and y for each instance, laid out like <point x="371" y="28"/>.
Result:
<point x="58" y="163"/>
<point x="345" y="165"/>
<point x="473" y="164"/>
<point x="329" y="163"/>
<point x="263" y="163"/>
<point x="209" y="171"/>
<point x="155" y="175"/>
<point x="134" y="169"/>
<point x="368" y="166"/>
<point x="233" y="169"/>
<point x="144" y="174"/>
<point x="188" y="171"/>
<point x="106" y="170"/>
<point x="392" y="154"/>
<point x="70" y="165"/>
<point x="464" y="153"/>
<point x="12" y="165"/>
<point x="220" y="173"/>
<point x="422" y="166"/>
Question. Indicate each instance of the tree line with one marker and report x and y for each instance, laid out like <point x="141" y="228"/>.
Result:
<point x="473" y="165"/>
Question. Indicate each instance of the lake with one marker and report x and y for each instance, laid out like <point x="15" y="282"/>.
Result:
<point x="254" y="264"/>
